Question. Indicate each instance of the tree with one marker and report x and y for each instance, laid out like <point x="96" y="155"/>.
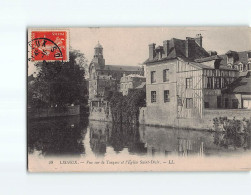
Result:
<point x="61" y="83"/>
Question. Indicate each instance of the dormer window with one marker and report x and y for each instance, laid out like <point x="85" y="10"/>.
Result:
<point x="241" y="67"/>
<point x="249" y="55"/>
<point x="159" y="51"/>
<point x="230" y="60"/>
<point x="160" y="55"/>
<point x="230" y="66"/>
<point x="249" y="66"/>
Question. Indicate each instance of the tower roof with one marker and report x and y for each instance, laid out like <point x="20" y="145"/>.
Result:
<point x="98" y="45"/>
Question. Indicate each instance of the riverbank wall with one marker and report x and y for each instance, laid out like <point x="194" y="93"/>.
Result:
<point x="53" y="112"/>
<point x="100" y="114"/>
<point x="156" y="118"/>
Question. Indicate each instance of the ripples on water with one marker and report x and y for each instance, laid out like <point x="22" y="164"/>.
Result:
<point x="76" y="136"/>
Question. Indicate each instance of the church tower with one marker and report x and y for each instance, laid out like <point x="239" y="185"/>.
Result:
<point x="98" y="55"/>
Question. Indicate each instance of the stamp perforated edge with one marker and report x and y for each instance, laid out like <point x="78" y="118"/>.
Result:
<point x="30" y="38"/>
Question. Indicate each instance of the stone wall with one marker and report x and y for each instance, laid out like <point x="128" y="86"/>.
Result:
<point x="99" y="114"/>
<point x="161" y="118"/>
<point x="54" y="112"/>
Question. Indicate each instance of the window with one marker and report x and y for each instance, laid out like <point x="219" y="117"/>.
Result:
<point x="219" y="100"/>
<point x="165" y="75"/>
<point x="217" y="83"/>
<point x="230" y="66"/>
<point x="226" y="102"/>
<point x="180" y="102"/>
<point x="230" y="60"/>
<point x="241" y="67"/>
<point x="153" y="96"/>
<point x="235" y="103"/>
<point x="209" y="82"/>
<point x="249" y="66"/>
<point x="189" y="102"/>
<point x="153" y="77"/>
<point x="166" y="96"/>
<point x="189" y="83"/>
<point x="206" y="104"/>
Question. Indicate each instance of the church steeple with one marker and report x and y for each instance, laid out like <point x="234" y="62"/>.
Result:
<point x="98" y="55"/>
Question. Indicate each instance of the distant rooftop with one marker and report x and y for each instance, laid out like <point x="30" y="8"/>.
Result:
<point x="241" y="85"/>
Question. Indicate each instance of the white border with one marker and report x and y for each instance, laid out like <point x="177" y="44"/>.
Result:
<point x="18" y="16"/>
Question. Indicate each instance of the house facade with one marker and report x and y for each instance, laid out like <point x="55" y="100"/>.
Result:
<point x="183" y="80"/>
<point x="130" y="81"/>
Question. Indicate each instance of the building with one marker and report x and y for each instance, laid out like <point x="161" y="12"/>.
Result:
<point x="240" y="61"/>
<point x="238" y="93"/>
<point x="104" y="78"/>
<point x="182" y="80"/>
<point x="130" y="81"/>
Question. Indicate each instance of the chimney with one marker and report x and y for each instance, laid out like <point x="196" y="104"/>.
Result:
<point x="212" y="53"/>
<point x="198" y="39"/>
<point x="190" y="47"/>
<point x="166" y="48"/>
<point x="152" y="53"/>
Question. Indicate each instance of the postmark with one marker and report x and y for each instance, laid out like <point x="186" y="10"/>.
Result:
<point x="49" y="45"/>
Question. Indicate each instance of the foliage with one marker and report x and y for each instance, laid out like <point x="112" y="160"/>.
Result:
<point x="232" y="132"/>
<point x="59" y="83"/>
<point x="125" y="109"/>
<point x="57" y="136"/>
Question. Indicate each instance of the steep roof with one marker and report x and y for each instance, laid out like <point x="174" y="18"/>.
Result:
<point x="242" y="85"/>
<point x="215" y="57"/>
<point x="177" y="48"/>
<point x="121" y="68"/>
<point x="142" y="85"/>
<point x="243" y="57"/>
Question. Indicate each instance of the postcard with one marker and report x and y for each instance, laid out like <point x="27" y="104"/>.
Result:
<point x="139" y="99"/>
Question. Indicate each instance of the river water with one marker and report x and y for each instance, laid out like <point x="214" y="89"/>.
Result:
<point x="76" y="136"/>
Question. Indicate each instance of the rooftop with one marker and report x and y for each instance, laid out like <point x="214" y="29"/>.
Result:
<point x="177" y="48"/>
<point x="121" y="68"/>
<point x="241" y="85"/>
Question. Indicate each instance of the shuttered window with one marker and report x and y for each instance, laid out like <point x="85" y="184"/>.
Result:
<point x="189" y="83"/>
<point x="153" y="77"/>
<point x="166" y="96"/>
<point x="189" y="102"/>
<point x="165" y="75"/>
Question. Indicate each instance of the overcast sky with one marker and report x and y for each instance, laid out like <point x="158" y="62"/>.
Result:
<point x="129" y="46"/>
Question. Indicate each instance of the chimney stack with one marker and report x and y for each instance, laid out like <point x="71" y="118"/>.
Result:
<point x="152" y="53"/>
<point x="166" y="48"/>
<point x="198" y="39"/>
<point x="190" y="47"/>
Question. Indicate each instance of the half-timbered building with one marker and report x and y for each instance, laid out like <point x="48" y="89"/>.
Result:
<point x="183" y="79"/>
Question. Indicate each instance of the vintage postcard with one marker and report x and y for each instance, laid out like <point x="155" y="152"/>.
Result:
<point x="139" y="99"/>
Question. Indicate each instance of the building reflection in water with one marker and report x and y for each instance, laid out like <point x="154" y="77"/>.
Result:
<point x="119" y="137"/>
<point x="75" y="136"/>
<point x="162" y="141"/>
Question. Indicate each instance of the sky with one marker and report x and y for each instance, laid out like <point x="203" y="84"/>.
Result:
<point x="129" y="46"/>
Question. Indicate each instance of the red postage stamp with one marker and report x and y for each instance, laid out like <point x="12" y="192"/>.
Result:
<point x="49" y="45"/>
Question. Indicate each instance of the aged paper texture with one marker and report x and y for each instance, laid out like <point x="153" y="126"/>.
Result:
<point x="139" y="99"/>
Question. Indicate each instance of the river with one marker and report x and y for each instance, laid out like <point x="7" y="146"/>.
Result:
<point x="77" y="136"/>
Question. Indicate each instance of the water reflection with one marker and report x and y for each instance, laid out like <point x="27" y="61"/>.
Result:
<point x="75" y="136"/>
<point x="57" y="136"/>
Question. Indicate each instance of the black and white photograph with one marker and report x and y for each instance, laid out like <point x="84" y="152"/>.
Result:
<point x="139" y="99"/>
